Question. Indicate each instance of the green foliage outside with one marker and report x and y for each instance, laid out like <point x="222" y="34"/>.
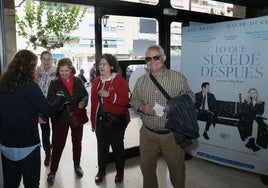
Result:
<point x="49" y="25"/>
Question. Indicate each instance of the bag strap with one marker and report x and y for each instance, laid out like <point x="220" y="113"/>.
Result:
<point x="99" y="97"/>
<point x="100" y="109"/>
<point x="159" y="87"/>
<point x="68" y="109"/>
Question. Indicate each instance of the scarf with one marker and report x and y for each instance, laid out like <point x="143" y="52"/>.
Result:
<point x="45" y="77"/>
<point x="69" y="85"/>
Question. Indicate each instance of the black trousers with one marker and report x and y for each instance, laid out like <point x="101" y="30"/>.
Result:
<point x="207" y="116"/>
<point x="105" y="139"/>
<point x="46" y="136"/>
<point x="262" y="136"/>
<point x="28" y="168"/>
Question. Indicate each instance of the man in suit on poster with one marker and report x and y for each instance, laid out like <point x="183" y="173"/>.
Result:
<point x="206" y="104"/>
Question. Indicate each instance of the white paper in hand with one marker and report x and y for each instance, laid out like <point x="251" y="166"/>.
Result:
<point x="159" y="109"/>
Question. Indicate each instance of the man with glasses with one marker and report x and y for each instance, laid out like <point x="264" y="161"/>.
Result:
<point x="152" y="106"/>
<point x="46" y="73"/>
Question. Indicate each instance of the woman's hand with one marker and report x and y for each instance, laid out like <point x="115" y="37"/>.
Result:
<point x="103" y="93"/>
<point x="81" y="104"/>
<point x="42" y="120"/>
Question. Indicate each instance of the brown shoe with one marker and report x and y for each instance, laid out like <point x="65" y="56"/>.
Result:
<point x="119" y="177"/>
<point x="99" y="177"/>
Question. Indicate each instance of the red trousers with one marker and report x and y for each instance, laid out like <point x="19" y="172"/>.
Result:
<point x="60" y="132"/>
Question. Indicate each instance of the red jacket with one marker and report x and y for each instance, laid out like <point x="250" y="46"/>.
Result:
<point x="116" y="103"/>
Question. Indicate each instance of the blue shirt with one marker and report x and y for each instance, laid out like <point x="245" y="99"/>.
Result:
<point x="16" y="154"/>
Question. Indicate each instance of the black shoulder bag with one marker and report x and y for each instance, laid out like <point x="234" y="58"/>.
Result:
<point x="110" y="121"/>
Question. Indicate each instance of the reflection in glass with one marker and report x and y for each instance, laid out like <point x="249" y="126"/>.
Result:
<point x="205" y="6"/>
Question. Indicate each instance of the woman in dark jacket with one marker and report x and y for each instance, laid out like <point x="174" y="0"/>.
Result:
<point x="77" y="97"/>
<point x="22" y="101"/>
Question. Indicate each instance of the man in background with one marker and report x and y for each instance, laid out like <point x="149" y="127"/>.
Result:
<point x="81" y="75"/>
<point x="92" y="72"/>
<point x="46" y="73"/>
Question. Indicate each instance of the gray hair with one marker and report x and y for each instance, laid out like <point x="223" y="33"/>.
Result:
<point x="156" y="47"/>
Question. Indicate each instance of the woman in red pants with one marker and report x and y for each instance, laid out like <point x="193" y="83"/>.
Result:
<point x="77" y="97"/>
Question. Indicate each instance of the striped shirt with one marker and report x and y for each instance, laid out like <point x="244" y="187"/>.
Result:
<point x="145" y="92"/>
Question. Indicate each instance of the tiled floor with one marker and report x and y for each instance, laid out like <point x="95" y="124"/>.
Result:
<point x="199" y="173"/>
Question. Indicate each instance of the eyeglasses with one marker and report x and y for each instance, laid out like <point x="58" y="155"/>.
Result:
<point x="156" y="58"/>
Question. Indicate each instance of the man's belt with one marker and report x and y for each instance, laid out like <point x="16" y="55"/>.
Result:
<point x="157" y="131"/>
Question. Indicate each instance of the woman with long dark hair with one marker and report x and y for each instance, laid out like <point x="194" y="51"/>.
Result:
<point x="22" y="102"/>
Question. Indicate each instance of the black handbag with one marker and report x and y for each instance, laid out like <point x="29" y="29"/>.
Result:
<point x="108" y="119"/>
<point x="111" y="121"/>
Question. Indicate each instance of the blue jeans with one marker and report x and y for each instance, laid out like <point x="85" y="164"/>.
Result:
<point x="28" y="167"/>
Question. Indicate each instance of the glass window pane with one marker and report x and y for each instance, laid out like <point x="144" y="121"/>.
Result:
<point x="175" y="46"/>
<point x="81" y="47"/>
<point x="206" y="6"/>
<point x="128" y="37"/>
<point x="151" y="2"/>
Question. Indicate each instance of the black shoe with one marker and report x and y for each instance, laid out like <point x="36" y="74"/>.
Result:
<point x="205" y="135"/>
<point x="262" y="142"/>
<point x="251" y="145"/>
<point x="214" y="124"/>
<point x="78" y="171"/>
<point x="47" y="160"/>
<point x="51" y="178"/>
<point x="256" y="148"/>
<point x="187" y="156"/>
<point x="264" y="179"/>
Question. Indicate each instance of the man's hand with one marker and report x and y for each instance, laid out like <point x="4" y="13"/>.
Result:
<point x="147" y="109"/>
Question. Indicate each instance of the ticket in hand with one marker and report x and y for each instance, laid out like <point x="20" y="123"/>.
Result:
<point x="159" y="109"/>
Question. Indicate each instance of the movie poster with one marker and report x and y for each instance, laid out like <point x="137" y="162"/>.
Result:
<point x="233" y="58"/>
